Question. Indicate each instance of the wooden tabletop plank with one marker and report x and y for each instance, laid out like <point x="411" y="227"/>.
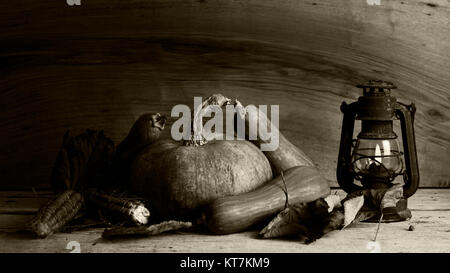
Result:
<point x="430" y="209"/>
<point x="431" y="234"/>
<point x="22" y="202"/>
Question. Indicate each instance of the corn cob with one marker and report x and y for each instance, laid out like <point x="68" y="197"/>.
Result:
<point x="56" y="213"/>
<point x="133" y="210"/>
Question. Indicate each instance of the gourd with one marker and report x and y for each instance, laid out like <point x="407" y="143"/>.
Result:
<point x="145" y="130"/>
<point x="287" y="155"/>
<point x="181" y="177"/>
<point x="237" y="213"/>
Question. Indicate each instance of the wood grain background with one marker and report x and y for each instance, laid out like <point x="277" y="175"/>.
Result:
<point x="102" y="64"/>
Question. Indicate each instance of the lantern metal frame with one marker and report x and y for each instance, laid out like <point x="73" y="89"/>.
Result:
<point x="377" y="110"/>
<point x="392" y="175"/>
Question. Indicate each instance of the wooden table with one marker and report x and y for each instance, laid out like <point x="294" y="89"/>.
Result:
<point x="430" y="209"/>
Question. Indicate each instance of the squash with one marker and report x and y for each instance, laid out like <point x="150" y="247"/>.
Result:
<point x="237" y="213"/>
<point x="145" y="131"/>
<point x="287" y="155"/>
<point x="178" y="178"/>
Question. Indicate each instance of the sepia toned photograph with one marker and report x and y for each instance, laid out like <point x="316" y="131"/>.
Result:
<point x="231" y="127"/>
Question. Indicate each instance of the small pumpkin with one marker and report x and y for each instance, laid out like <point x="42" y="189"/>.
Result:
<point x="180" y="177"/>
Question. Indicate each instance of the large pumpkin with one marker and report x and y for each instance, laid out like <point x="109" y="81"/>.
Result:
<point x="179" y="179"/>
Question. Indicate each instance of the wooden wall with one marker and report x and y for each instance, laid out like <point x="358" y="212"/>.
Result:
<point x="102" y="64"/>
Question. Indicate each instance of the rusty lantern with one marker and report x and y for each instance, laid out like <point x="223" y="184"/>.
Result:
<point x="374" y="158"/>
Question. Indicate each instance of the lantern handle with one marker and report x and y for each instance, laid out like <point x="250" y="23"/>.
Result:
<point x="344" y="173"/>
<point x="411" y="175"/>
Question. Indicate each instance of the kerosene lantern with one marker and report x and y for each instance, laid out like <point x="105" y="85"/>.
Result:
<point x="374" y="157"/>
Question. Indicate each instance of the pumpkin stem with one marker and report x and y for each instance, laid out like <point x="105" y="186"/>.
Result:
<point x="205" y="109"/>
<point x="285" y="190"/>
<point x="158" y="121"/>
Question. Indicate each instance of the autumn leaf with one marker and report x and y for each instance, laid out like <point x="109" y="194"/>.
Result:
<point x="391" y="197"/>
<point x="288" y="222"/>
<point x="333" y="202"/>
<point x="393" y="203"/>
<point x="387" y="200"/>
<point x="351" y="208"/>
<point x="305" y="221"/>
<point x="146" y="230"/>
<point x="83" y="161"/>
<point x="374" y="197"/>
<point x="284" y="224"/>
<point x="365" y="213"/>
<point x="336" y="221"/>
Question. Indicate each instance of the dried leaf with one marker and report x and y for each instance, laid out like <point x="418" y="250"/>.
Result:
<point x="365" y="213"/>
<point x="333" y="201"/>
<point x="385" y="197"/>
<point x="374" y="197"/>
<point x="146" y="230"/>
<point x="284" y="224"/>
<point x="390" y="201"/>
<point x="305" y="236"/>
<point x="351" y="208"/>
<point x="287" y="230"/>
<point x="315" y="225"/>
<point x="399" y="211"/>
<point x="387" y="200"/>
<point x="336" y="221"/>
<point x="83" y="161"/>
<point x="391" y="197"/>
<point x="354" y="194"/>
<point x="302" y="212"/>
<point x="306" y="221"/>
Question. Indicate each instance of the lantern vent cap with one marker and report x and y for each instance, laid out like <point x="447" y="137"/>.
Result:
<point x="379" y="84"/>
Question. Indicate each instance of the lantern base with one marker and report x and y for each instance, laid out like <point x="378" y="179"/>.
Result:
<point x="397" y="214"/>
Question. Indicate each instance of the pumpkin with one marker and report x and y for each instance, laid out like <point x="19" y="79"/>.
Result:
<point x="178" y="178"/>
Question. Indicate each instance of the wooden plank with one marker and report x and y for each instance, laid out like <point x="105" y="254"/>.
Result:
<point x="22" y="202"/>
<point x="102" y="64"/>
<point x="14" y="222"/>
<point x="431" y="234"/>
<point x="25" y="194"/>
<point x="431" y="219"/>
<point x="430" y="199"/>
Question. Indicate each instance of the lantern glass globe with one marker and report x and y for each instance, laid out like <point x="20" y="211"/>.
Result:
<point x="379" y="158"/>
